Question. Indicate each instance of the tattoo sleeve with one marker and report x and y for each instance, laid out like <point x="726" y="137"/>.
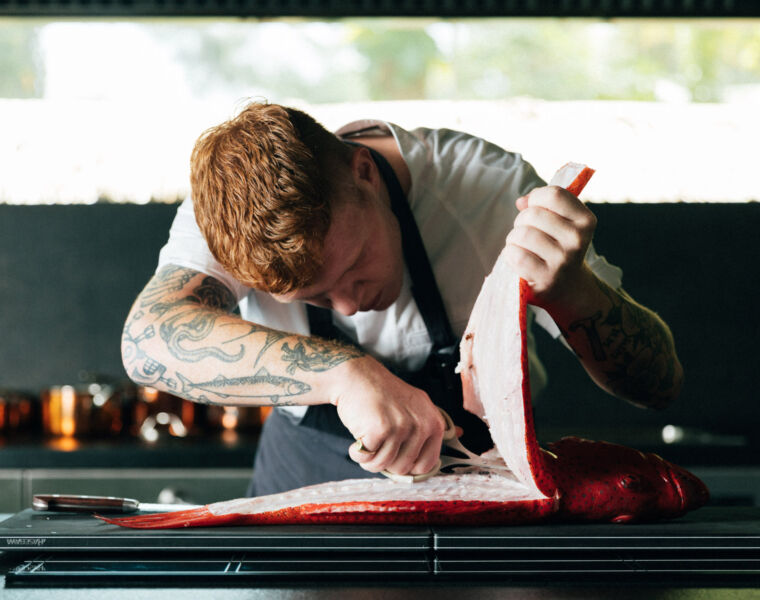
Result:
<point x="632" y="348"/>
<point x="181" y="337"/>
<point x="315" y="354"/>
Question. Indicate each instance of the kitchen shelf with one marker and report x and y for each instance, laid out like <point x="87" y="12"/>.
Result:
<point x="200" y="451"/>
<point x="698" y="449"/>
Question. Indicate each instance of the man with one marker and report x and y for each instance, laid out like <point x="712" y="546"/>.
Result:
<point x="390" y="234"/>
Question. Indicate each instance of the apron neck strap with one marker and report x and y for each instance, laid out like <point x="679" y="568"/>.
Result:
<point x="424" y="287"/>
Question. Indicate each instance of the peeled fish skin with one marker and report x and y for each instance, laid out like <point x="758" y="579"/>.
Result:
<point x="573" y="479"/>
<point x="596" y="481"/>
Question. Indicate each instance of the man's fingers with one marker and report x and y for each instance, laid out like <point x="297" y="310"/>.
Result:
<point x="537" y="241"/>
<point x="378" y="460"/>
<point x="428" y="457"/>
<point x="559" y="201"/>
<point x="523" y="260"/>
<point x="361" y="448"/>
<point x="406" y="449"/>
<point x="406" y="457"/>
<point x="361" y="452"/>
<point x="565" y="232"/>
<point x="546" y="220"/>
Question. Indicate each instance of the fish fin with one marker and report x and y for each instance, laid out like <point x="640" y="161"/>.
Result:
<point x="623" y="519"/>
<point x="187" y="385"/>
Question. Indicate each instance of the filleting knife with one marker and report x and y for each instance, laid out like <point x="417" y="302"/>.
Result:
<point x="78" y="503"/>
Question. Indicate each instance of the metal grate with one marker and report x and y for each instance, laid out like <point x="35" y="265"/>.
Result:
<point x="376" y="8"/>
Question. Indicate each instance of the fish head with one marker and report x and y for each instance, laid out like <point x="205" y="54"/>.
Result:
<point x="608" y="482"/>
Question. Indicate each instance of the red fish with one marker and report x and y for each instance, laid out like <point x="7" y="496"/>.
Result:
<point x="573" y="479"/>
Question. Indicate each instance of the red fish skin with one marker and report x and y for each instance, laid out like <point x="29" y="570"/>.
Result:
<point x="580" y="181"/>
<point x="358" y="513"/>
<point x="600" y="481"/>
<point x="542" y="476"/>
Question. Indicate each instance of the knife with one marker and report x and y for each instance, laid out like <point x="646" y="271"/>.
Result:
<point x="78" y="503"/>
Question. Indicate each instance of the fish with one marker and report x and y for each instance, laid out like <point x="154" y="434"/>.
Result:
<point x="261" y="385"/>
<point x="573" y="479"/>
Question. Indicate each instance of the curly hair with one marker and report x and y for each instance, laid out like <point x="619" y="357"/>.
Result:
<point x="261" y="194"/>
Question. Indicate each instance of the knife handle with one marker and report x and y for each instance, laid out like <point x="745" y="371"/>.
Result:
<point x="77" y="503"/>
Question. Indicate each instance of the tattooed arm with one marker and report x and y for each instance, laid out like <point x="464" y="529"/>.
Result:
<point x="182" y="337"/>
<point x="625" y="348"/>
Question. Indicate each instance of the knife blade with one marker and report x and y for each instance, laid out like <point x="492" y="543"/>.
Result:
<point x="80" y="503"/>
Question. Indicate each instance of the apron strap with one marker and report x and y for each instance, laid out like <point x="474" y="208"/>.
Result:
<point x="437" y="377"/>
<point x="424" y="287"/>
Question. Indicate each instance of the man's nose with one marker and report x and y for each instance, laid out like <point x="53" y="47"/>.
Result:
<point x="345" y="307"/>
<point x="345" y="300"/>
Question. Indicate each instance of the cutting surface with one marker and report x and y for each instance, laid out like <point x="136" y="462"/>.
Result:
<point x="713" y="546"/>
<point x="708" y="545"/>
<point x="29" y="530"/>
<point x="707" y="527"/>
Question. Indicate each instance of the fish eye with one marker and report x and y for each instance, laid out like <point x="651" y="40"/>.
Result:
<point x="630" y="482"/>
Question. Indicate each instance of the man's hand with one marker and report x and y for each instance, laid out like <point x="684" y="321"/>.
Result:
<point x="399" y="427"/>
<point x="548" y="243"/>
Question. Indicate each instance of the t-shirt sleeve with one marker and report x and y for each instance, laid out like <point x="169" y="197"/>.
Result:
<point x="187" y="247"/>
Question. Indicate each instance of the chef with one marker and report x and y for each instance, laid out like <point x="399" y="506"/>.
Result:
<point x="332" y="275"/>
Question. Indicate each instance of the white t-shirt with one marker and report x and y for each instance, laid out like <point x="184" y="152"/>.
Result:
<point x="462" y="196"/>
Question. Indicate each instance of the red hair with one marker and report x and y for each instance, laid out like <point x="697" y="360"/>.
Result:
<point x="262" y="196"/>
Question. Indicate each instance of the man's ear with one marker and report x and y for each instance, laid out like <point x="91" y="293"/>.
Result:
<point x="364" y="169"/>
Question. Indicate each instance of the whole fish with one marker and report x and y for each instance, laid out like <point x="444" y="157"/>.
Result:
<point x="572" y="479"/>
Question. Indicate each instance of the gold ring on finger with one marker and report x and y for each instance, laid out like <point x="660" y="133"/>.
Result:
<point x="360" y="447"/>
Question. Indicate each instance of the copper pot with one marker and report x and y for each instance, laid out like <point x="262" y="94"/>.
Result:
<point x="243" y="419"/>
<point x="19" y="413"/>
<point x="83" y="410"/>
<point x="157" y="414"/>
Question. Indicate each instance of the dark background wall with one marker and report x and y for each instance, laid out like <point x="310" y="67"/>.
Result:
<point x="68" y="275"/>
<point x="696" y="265"/>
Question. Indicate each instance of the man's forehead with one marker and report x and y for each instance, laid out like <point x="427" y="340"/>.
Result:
<point x="341" y="247"/>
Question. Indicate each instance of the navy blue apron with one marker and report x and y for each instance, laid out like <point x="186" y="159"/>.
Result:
<point x="292" y="454"/>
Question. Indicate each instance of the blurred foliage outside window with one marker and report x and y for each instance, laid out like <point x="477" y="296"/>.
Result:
<point x="109" y="110"/>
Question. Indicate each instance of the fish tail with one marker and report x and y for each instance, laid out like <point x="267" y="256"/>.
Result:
<point x="194" y="517"/>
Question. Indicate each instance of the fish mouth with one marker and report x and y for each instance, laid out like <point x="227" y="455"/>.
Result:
<point x="676" y="483"/>
<point x="694" y="492"/>
<point x="690" y="490"/>
<point x="668" y="476"/>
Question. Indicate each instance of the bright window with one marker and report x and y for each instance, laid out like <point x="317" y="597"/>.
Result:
<point x="665" y="110"/>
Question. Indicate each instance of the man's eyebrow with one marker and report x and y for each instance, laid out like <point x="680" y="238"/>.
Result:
<point x="323" y="293"/>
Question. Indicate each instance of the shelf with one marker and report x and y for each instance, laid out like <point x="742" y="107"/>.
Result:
<point x="202" y="451"/>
